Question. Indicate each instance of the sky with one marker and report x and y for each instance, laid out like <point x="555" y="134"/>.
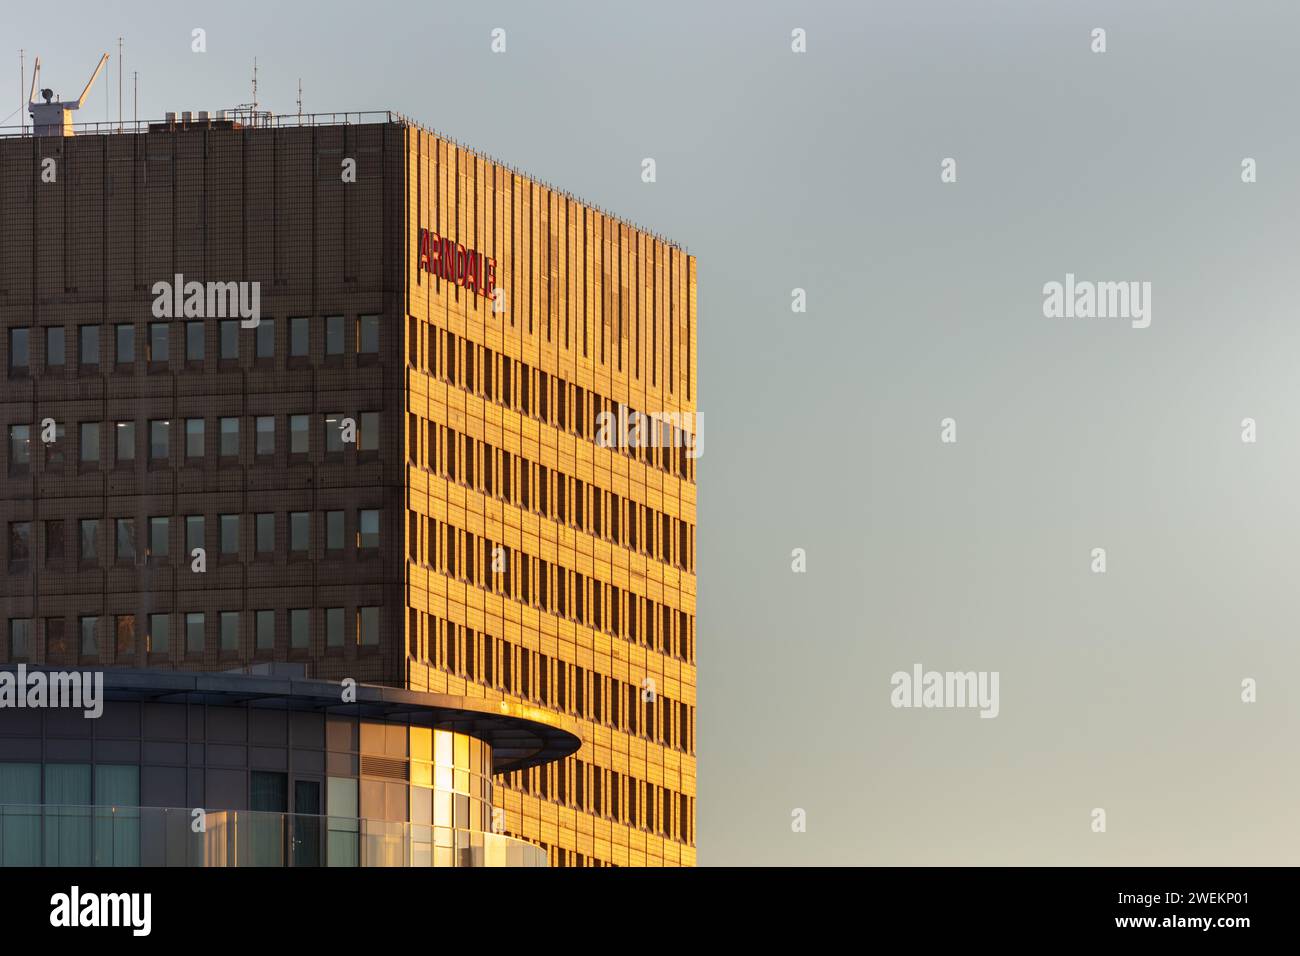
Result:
<point x="823" y="171"/>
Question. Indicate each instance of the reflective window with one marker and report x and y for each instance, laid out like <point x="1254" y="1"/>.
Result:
<point x="89" y="338"/>
<point x="368" y="334"/>
<point x="298" y="429"/>
<point x="124" y="440"/>
<point x="159" y="341"/>
<point x="334" y="335"/>
<point x="194" y="344"/>
<point x="265" y="434"/>
<point x="230" y="534"/>
<point x="368" y="528"/>
<point x="54" y="346"/>
<point x="125" y="344"/>
<point x="299" y="337"/>
<point x="159" y="537"/>
<point x="193" y="438"/>
<point x="160" y="440"/>
<point x="229" y="340"/>
<point x="230" y="438"/>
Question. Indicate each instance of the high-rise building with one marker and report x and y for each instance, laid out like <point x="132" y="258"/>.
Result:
<point x="334" y="394"/>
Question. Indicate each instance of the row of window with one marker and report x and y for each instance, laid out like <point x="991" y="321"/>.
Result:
<point x="479" y="561"/>
<point x="338" y="432"/>
<point x="537" y="394"/>
<point x="608" y="793"/>
<point x="513" y="478"/>
<point x="155" y="343"/>
<point x="106" y="639"/>
<point x="559" y="685"/>
<point x="158" y="543"/>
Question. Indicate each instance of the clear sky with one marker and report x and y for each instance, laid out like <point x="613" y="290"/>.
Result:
<point x="821" y="171"/>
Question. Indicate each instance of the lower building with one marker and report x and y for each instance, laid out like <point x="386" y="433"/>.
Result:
<point x="262" y="769"/>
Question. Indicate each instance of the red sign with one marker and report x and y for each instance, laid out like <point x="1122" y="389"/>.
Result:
<point x="456" y="263"/>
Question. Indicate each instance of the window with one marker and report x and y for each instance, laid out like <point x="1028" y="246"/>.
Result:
<point x="230" y="438"/>
<point x="230" y="534"/>
<point x="299" y="531"/>
<point x="333" y="432"/>
<point x="20" y="447"/>
<point x="124" y="636"/>
<point x="89" y="442"/>
<point x="160" y="631"/>
<point x="265" y="630"/>
<point x="125" y="344"/>
<point x="334" y="627"/>
<point x="368" y="335"/>
<point x="20" y="542"/>
<point x="266" y="339"/>
<point x="56" y="640"/>
<point x="124" y="441"/>
<point x="54" y="345"/>
<point x="229" y="631"/>
<point x="159" y="341"/>
<point x="334" y="335"/>
<point x="230" y="340"/>
<point x="125" y="539"/>
<point x="266" y="434"/>
<point x="54" y="450"/>
<point x="299" y="337"/>
<point x="194" y="632"/>
<point x="88" y="533"/>
<point x="368" y="434"/>
<point x="159" y="537"/>
<point x="194" y="345"/>
<point x="20" y="638"/>
<point x="19" y="351"/>
<point x="54" y="543"/>
<point x="299" y="628"/>
<point x="265" y="533"/>
<point x="368" y="626"/>
<point x="193" y="438"/>
<point x="368" y="529"/>
<point x="298" y="427"/>
<point x="89" y="637"/>
<point x="160" y="440"/>
<point x="334" y="530"/>
<point x="193" y="534"/>
<point x="89" y="345"/>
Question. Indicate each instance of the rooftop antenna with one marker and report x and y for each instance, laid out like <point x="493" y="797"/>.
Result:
<point x="54" y="117"/>
<point x="254" y="91"/>
<point x="119" y="84"/>
<point x="135" y="99"/>
<point x="22" y="83"/>
<point x="300" y="98"/>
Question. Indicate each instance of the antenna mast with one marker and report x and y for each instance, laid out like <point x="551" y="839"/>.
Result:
<point x="22" y="102"/>
<point x="300" y="98"/>
<point x="119" y="84"/>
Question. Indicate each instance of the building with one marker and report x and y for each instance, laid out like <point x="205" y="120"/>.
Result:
<point x="324" y="395"/>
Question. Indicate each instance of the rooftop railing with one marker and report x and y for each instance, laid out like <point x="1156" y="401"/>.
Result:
<point x="249" y="118"/>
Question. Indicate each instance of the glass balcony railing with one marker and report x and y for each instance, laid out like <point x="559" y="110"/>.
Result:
<point x="46" y="835"/>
